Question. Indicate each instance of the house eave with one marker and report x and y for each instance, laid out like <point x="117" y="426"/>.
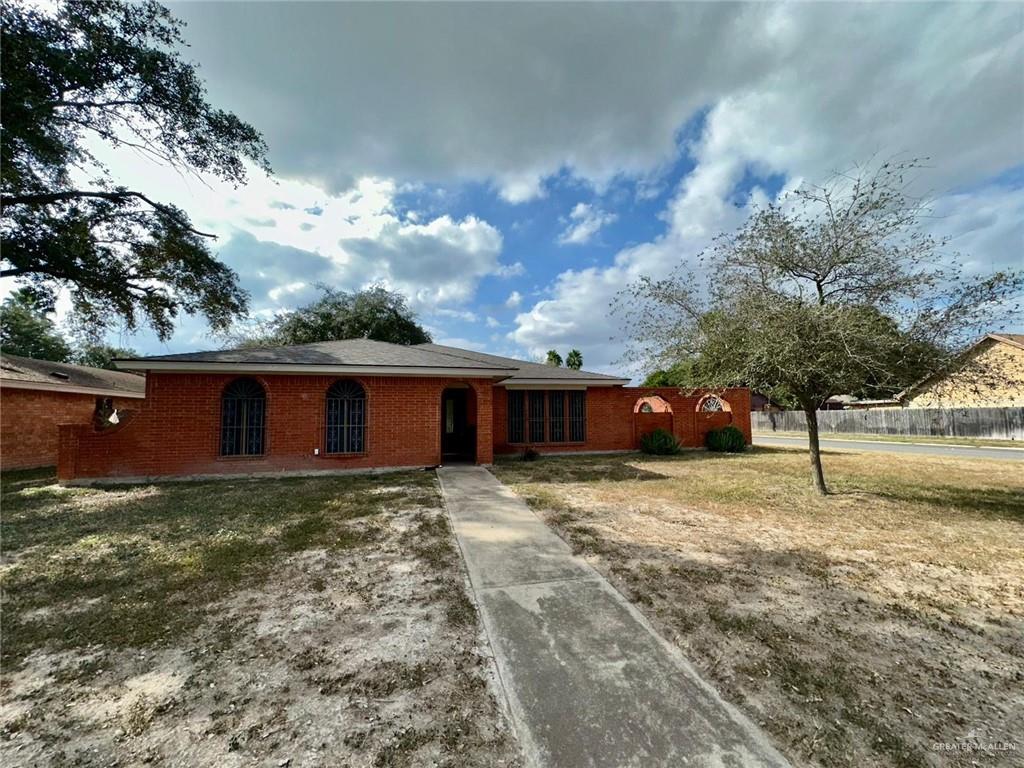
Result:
<point x="45" y="386"/>
<point x="562" y="383"/>
<point x="317" y="369"/>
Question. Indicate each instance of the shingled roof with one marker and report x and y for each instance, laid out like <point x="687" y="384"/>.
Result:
<point x="27" y="373"/>
<point x="367" y="356"/>
<point x="525" y="370"/>
<point x="349" y="352"/>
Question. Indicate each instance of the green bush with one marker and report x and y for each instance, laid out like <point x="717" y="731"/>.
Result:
<point x="529" y="454"/>
<point x="660" y="442"/>
<point x="726" y="440"/>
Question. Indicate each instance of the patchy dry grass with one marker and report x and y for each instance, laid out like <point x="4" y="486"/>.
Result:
<point x="306" y="621"/>
<point x="869" y="628"/>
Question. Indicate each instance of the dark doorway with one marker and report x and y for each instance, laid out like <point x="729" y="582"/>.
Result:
<point x="458" y="436"/>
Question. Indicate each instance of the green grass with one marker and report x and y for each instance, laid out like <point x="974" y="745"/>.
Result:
<point x="929" y="439"/>
<point x="137" y="566"/>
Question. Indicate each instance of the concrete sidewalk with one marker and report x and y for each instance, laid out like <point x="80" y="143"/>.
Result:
<point x="588" y="680"/>
<point x="881" y="446"/>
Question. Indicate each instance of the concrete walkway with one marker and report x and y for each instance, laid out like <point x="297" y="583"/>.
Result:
<point x="588" y="680"/>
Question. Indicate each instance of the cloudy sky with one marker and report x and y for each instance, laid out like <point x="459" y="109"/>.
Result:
<point x="511" y="167"/>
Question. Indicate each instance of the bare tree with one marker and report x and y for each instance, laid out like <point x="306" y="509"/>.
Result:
<point x="838" y="288"/>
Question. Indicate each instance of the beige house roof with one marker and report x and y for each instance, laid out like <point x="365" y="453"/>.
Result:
<point x="1012" y="339"/>
<point x="1016" y="339"/>
<point x="27" y="373"/>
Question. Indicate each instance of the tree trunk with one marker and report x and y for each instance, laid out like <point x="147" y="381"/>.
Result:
<point x="817" y="472"/>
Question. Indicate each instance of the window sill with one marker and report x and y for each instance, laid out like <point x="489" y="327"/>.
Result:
<point x="357" y="455"/>
<point x="243" y="457"/>
<point x="549" y="445"/>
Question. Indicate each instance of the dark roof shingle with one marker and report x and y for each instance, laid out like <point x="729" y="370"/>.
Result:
<point x="26" y="371"/>
<point x="349" y="352"/>
<point x="365" y="353"/>
<point x="524" y="368"/>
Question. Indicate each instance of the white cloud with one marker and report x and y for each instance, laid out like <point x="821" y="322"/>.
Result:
<point x="433" y="264"/>
<point x="514" y="300"/>
<point x="493" y="322"/>
<point x="349" y="240"/>
<point x="276" y="294"/>
<point x="937" y="97"/>
<point x="585" y="221"/>
<point x="511" y="270"/>
<point x="456" y="314"/>
<point x="511" y="94"/>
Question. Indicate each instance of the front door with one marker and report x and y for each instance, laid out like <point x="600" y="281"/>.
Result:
<point x="457" y="440"/>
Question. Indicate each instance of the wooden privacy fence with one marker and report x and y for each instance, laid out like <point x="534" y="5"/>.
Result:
<point x="996" y="423"/>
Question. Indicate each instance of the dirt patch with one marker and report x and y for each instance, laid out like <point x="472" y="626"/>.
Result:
<point x="881" y="626"/>
<point x="331" y="631"/>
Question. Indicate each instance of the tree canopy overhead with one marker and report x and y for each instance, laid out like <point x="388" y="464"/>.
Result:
<point x="26" y="329"/>
<point x="838" y="289"/>
<point x="373" y="313"/>
<point x="110" y="71"/>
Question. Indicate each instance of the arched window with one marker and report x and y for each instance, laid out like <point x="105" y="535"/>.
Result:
<point x="711" y="404"/>
<point x="243" y="418"/>
<point x="346" y="417"/>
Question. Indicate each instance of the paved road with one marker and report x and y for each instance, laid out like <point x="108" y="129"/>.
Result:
<point x="968" y="452"/>
<point x="587" y="679"/>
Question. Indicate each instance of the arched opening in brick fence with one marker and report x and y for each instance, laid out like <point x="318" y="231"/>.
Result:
<point x="713" y="412"/>
<point x="650" y="413"/>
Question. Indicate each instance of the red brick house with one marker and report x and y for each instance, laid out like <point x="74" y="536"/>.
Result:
<point x="38" y="395"/>
<point x="360" y="404"/>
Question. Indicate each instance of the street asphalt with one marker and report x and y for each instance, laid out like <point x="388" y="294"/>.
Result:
<point x="962" y="451"/>
<point x="587" y="679"/>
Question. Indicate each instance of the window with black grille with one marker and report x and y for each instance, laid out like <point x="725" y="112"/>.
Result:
<point x="243" y="418"/>
<point x="556" y="417"/>
<point x="516" y="415"/>
<point x="577" y="417"/>
<point x="346" y="417"/>
<point x="552" y="416"/>
<point x="536" y="416"/>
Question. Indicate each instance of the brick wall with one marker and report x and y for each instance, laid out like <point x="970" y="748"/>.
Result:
<point x="29" y="422"/>
<point x="178" y="430"/>
<point x="612" y="424"/>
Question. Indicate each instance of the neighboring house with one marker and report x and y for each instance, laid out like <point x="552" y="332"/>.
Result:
<point x="838" y="403"/>
<point x="990" y="375"/>
<point x="361" y="404"/>
<point x="38" y="395"/>
<point x="763" y="403"/>
<point x="866" y="405"/>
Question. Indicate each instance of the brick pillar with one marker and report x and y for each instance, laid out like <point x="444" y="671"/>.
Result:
<point x="740" y="402"/>
<point x="67" y="451"/>
<point x="484" y="423"/>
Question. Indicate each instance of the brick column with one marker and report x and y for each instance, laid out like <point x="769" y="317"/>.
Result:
<point x="484" y="422"/>
<point x="67" y="451"/>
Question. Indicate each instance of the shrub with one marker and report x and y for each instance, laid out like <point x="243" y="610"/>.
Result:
<point x="726" y="440"/>
<point x="529" y="455"/>
<point x="660" y="442"/>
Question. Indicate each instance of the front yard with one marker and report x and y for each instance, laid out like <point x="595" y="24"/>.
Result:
<point x="883" y="625"/>
<point x="310" y="621"/>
